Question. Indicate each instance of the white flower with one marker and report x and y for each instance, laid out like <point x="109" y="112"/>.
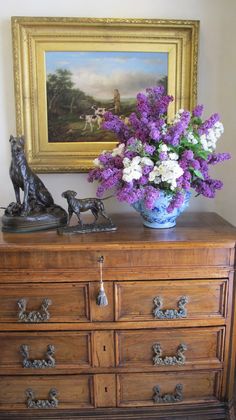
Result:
<point x="209" y="140"/>
<point x="146" y="161"/>
<point x="218" y="129"/>
<point x="97" y="163"/>
<point x="173" y="156"/>
<point x="166" y="171"/>
<point x="164" y="128"/>
<point x="133" y="167"/>
<point x="154" y="175"/>
<point x="191" y="138"/>
<point x="203" y="141"/>
<point x="119" y="150"/>
<point x="163" y="148"/>
<point x="178" y="115"/>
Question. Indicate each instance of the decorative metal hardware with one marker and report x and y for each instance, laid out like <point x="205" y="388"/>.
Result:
<point x="179" y="359"/>
<point x="177" y="396"/>
<point x="52" y="402"/>
<point x="170" y="313"/>
<point x="48" y="362"/>
<point x="41" y="315"/>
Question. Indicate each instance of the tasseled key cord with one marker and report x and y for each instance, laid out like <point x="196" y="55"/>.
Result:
<point x="101" y="297"/>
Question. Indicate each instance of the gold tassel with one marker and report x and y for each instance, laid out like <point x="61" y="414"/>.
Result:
<point x="101" y="297"/>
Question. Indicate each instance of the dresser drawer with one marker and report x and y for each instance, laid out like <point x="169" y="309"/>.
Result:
<point x="68" y="257"/>
<point x="167" y="348"/>
<point x="162" y="300"/>
<point x="45" y="303"/>
<point x="45" y="352"/>
<point x="155" y="389"/>
<point x="57" y="302"/>
<point x="46" y="392"/>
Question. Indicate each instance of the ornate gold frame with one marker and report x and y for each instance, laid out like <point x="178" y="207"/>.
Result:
<point x="32" y="36"/>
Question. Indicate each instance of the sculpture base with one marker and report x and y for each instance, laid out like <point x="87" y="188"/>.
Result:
<point x="87" y="228"/>
<point x="51" y="218"/>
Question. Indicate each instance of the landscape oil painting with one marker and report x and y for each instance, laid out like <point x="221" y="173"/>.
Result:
<point x="83" y="85"/>
<point x="70" y="71"/>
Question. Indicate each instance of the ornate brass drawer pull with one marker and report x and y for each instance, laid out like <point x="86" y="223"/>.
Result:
<point x="179" y="359"/>
<point x="52" y="402"/>
<point x="48" y="362"/>
<point x="34" y="316"/>
<point x="170" y="313"/>
<point x="177" y="396"/>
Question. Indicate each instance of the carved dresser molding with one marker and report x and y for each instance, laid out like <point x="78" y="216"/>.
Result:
<point x="163" y="347"/>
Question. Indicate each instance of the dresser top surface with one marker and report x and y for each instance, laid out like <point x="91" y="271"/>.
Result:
<point x="196" y="229"/>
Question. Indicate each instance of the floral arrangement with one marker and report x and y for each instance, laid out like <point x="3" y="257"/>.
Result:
<point x="155" y="155"/>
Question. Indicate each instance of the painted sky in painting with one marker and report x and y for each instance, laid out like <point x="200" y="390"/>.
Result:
<point x="99" y="73"/>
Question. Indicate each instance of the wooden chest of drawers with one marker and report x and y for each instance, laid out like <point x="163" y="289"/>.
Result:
<point x="162" y="348"/>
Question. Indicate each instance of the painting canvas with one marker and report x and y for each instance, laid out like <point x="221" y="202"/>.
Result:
<point x="82" y="86"/>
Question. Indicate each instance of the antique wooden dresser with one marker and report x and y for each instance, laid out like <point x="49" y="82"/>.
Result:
<point x="162" y="348"/>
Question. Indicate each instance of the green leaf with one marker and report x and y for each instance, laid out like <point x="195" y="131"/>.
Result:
<point x="198" y="174"/>
<point x="203" y="154"/>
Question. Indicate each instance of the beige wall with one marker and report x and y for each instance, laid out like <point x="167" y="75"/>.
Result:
<point x="216" y="87"/>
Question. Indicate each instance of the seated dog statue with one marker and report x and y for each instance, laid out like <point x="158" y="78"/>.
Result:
<point x="36" y="195"/>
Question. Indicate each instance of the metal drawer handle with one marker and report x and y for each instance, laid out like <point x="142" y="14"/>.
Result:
<point x="41" y="315"/>
<point x="181" y="312"/>
<point x="52" y="401"/>
<point x="179" y="359"/>
<point x="48" y="362"/>
<point x="177" y="396"/>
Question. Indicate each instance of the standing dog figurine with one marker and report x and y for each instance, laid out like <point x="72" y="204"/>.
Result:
<point x="77" y="206"/>
<point x="22" y="176"/>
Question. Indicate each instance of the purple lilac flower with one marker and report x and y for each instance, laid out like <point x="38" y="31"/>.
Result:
<point x="187" y="175"/>
<point x="131" y="142"/>
<point x="215" y="158"/>
<point x="147" y="169"/>
<point x="130" y="154"/>
<point x="106" y="173"/>
<point x="148" y="148"/>
<point x="175" y="131"/>
<point x="94" y="174"/>
<point x="163" y="155"/>
<point x="203" y="168"/>
<point x="183" y="163"/>
<point x="100" y="191"/>
<point x="188" y="155"/>
<point x="159" y="102"/>
<point x="150" y="196"/>
<point x="203" y="129"/>
<point x="118" y="162"/>
<point x="142" y="104"/>
<point x="129" y="194"/>
<point x="134" y="120"/>
<point x="176" y="202"/>
<point x="143" y="180"/>
<point x="104" y="158"/>
<point x="208" y="187"/>
<point x="155" y="134"/>
<point x="195" y="164"/>
<point x="117" y="125"/>
<point x="197" y="111"/>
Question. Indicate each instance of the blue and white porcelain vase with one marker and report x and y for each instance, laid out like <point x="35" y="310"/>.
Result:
<point x="158" y="217"/>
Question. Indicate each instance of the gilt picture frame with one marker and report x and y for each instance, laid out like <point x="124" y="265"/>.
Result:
<point x="69" y="71"/>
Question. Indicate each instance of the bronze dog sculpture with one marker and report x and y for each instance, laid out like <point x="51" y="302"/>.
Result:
<point x="36" y="194"/>
<point x="77" y="206"/>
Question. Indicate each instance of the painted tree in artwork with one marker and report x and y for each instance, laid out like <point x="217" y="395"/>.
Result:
<point x="63" y="97"/>
<point x="59" y="84"/>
